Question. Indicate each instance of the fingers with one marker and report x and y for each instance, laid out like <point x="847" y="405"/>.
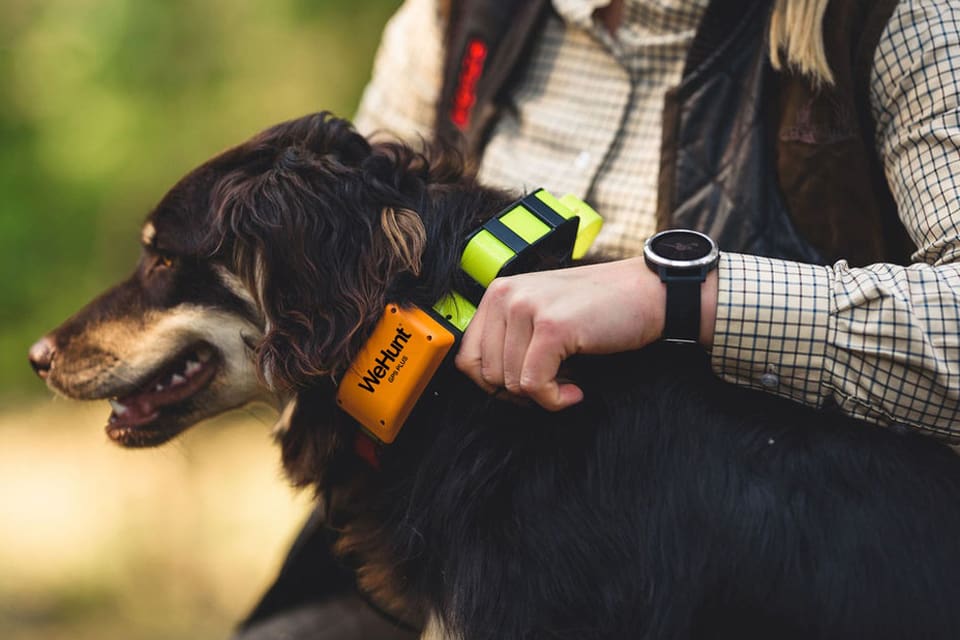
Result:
<point x="519" y="333"/>
<point x="491" y="350"/>
<point x="527" y="324"/>
<point x="469" y="358"/>
<point x="484" y="344"/>
<point x="505" y="347"/>
<point x="541" y="368"/>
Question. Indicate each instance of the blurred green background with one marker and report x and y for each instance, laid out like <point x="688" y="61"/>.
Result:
<point x="103" y="105"/>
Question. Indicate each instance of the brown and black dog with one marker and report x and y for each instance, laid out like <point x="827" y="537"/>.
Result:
<point x="665" y="505"/>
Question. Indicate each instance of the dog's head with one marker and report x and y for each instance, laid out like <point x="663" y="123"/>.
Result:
<point x="260" y="275"/>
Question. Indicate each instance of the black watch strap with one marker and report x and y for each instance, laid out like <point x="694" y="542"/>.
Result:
<point x="682" y="258"/>
<point x="682" y="319"/>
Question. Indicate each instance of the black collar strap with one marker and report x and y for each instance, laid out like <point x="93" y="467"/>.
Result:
<point x="537" y="232"/>
<point x="406" y="349"/>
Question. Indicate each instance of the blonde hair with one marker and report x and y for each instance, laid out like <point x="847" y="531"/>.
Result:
<point x="796" y="38"/>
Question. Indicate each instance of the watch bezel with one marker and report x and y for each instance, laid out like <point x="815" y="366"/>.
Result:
<point x="706" y="261"/>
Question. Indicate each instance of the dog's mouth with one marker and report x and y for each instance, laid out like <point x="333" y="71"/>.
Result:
<point x="148" y="416"/>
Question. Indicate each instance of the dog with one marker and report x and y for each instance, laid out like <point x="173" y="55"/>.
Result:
<point x="667" y="504"/>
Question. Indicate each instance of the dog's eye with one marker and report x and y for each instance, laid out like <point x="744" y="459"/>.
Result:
<point x="162" y="261"/>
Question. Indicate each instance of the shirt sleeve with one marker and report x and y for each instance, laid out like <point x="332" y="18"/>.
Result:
<point x="881" y="342"/>
<point x="400" y="99"/>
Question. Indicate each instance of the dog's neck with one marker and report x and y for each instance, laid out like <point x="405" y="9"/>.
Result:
<point x="449" y="218"/>
<point x="449" y="214"/>
<point x="316" y="436"/>
<point x="381" y="410"/>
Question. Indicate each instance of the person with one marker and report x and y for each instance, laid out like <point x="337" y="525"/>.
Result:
<point x="814" y="140"/>
<point x="584" y="115"/>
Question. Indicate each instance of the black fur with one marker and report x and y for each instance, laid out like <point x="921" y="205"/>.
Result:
<point x="667" y="505"/>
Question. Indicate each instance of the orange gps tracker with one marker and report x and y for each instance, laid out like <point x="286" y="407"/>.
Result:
<point x="393" y="369"/>
<point x="391" y="372"/>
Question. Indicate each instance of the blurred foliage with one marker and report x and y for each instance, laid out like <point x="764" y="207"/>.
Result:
<point x="105" y="103"/>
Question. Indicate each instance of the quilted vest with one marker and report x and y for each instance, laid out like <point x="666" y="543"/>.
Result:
<point x="762" y="161"/>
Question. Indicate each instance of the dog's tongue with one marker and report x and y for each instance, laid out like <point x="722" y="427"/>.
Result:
<point x="133" y="407"/>
<point x="133" y="410"/>
<point x="178" y="383"/>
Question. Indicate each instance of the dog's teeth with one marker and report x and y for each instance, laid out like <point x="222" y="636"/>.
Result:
<point x="159" y="387"/>
<point x="204" y="356"/>
<point x="192" y="367"/>
<point x="118" y="408"/>
<point x="177" y="379"/>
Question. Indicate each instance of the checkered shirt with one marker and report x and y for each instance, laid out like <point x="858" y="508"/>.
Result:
<point x="881" y="342"/>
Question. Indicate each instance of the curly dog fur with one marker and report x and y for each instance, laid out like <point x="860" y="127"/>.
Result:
<point x="665" y="505"/>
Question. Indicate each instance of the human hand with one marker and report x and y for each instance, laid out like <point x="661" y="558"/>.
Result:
<point x="527" y="325"/>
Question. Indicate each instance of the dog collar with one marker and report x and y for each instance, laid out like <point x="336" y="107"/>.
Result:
<point x="408" y="346"/>
<point x="537" y="232"/>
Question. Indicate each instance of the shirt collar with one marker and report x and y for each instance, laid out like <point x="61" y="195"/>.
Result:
<point x="578" y="12"/>
<point x="657" y="15"/>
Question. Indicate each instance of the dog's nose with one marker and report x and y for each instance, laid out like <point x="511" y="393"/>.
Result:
<point x="41" y="355"/>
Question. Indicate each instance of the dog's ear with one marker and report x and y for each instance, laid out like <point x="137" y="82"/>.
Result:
<point x="399" y="246"/>
<point x="320" y="237"/>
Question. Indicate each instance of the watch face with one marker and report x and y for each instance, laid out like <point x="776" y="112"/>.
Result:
<point x="681" y="246"/>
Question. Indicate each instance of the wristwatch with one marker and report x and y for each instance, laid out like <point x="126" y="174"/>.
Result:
<point x="682" y="258"/>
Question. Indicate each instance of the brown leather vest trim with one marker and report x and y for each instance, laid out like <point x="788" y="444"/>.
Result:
<point x="828" y="169"/>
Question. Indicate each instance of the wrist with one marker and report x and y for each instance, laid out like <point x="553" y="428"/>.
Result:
<point x="683" y="260"/>
<point x="709" y="293"/>
<point x="652" y="297"/>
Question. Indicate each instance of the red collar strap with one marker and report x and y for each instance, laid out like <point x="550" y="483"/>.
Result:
<point x="368" y="449"/>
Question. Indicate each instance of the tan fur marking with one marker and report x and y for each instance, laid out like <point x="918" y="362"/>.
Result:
<point x="235" y="285"/>
<point x="148" y="235"/>
<point x="282" y="424"/>
<point x="377" y="573"/>
<point x="260" y="284"/>
<point x="435" y="631"/>
<point x="405" y="234"/>
<point x="130" y="349"/>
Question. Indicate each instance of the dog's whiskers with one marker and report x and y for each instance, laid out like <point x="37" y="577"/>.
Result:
<point x="115" y="376"/>
<point x="260" y="419"/>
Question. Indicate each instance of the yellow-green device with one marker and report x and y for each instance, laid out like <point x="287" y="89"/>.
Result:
<point x="408" y="346"/>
